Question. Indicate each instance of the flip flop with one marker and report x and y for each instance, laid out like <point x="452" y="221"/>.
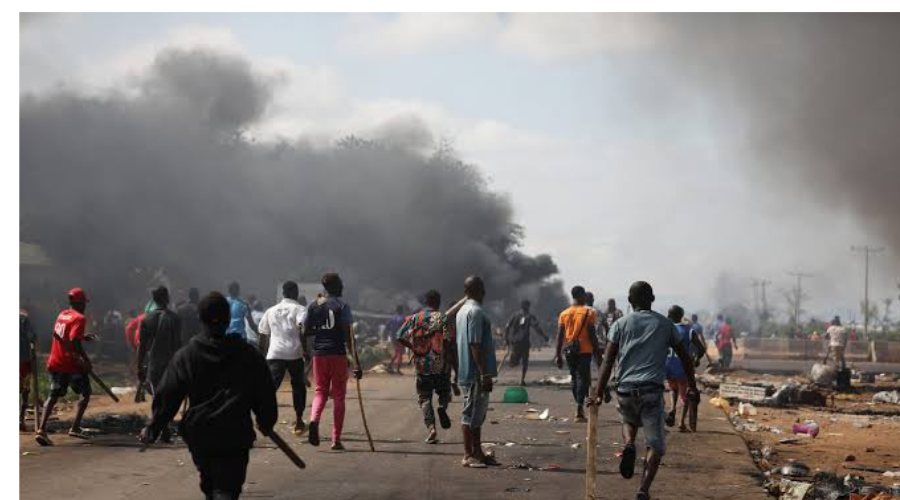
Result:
<point x="78" y="433"/>
<point x="626" y="466"/>
<point x="43" y="440"/>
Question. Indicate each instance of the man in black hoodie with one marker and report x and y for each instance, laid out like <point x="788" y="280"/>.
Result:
<point x="225" y="379"/>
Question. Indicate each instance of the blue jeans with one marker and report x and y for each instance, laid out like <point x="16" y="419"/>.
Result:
<point x="581" y="377"/>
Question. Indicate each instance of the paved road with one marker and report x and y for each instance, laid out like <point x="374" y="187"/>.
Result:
<point x="711" y="464"/>
<point x="797" y="366"/>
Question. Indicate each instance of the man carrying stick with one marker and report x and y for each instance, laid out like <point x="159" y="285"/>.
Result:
<point x="68" y="365"/>
<point x="328" y="321"/>
<point x="160" y="340"/>
<point x="430" y="337"/>
<point x="638" y="346"/>
<point x="477" y="367"/>
<point x="224" y="379"/>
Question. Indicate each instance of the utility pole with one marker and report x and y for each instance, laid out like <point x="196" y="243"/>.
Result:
<point x="798" y="294"/>
<point x="866" y="249"/>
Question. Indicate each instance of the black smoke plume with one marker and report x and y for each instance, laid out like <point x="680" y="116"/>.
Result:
<point x="118" y="187"/>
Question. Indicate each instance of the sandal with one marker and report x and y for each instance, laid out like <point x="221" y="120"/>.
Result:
<point x="42" y="439"/>
<point x="78" y="433"/>
<point x="626" y="466"/>
<point x="473" y="463"/>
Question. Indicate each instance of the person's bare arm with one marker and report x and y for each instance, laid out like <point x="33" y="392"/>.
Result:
<point x="560" y="335"/>
<point x="687" y="363"/>
<point x="478" y="357"/>
<point x="609" y="358"/>
<point x="249" y="317"/>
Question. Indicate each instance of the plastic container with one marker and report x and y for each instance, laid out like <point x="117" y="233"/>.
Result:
<point x="515" y="394"/>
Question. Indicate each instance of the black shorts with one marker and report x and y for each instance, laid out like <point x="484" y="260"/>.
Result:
<point x="519" y="353"/>
<point x="437" y="384"/>
<point x="60" y="383"/>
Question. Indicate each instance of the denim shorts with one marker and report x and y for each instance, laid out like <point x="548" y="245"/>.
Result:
<point x="475" y="405"/>
<point x="647" y="411"/>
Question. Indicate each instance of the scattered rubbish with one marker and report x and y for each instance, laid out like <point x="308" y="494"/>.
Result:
<point x="721" y="403"/>
<point x="790" y="441"/>
<point x="870" y="450"/>
<point x="794" y="469"/>
<point x="509" y="444"/>
<point x="890" y="397"/>
<point x="865" y="468"/>
<point x="553" y="467"/>
<point x="794" y="394"/>
<point x="807" y="429"/>
<point x="823" y="375"/>
<point x="891" y="473"/>
<point x="122" y="391"/>
<point x="521" y="465"/>
<point x="743" y="392"/>
<point x="733" y="452"/>
<point x="545" y="414"/>
<point x="793" y="490"/>
<point x="850" y="458"/>
<point x="495" y="422"/>
<point x="575" y="446"/>
<point x="563" y="432"/>
<point x="555" y="380"/>
<point x="862" y="423"/>
<point x="28" y="453"/>
<point x="531" y="414"/>
<point x="747" y="410"/>
<point x="379" y="368"/>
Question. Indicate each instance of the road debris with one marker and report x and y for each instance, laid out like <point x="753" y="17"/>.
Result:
<point x="889" y="397"/>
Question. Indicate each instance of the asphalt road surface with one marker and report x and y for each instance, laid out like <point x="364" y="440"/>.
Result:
<point x="711" y="464"/>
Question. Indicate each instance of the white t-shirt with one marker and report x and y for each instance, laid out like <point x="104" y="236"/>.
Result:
<point x="837" y="336"/>
<point x="282" y="323"/>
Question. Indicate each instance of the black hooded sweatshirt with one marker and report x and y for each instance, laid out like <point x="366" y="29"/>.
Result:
<point x="203" y="369"/>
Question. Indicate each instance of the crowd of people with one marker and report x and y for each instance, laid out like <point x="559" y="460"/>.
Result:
<point x="227" y="357"/>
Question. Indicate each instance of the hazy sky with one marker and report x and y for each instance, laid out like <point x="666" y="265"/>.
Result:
<point x="619" y="162"/>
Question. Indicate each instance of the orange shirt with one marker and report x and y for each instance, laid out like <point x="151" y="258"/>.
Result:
<point x="576" y="320"/>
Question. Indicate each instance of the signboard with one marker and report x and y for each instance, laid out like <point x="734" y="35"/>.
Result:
<point x="742" y="392"/>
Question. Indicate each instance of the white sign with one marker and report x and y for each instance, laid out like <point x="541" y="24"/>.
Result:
<point x="742" y="392"/>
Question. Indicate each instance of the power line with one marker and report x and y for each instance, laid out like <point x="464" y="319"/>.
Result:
<point x="761" y="284"/>
<point x="798" y="294"/>
<point x="866" y="249"/>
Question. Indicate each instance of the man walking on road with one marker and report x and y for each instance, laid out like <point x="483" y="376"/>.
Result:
<point x="190" y="316"/>
<point x="576" y="342"/>
<point x="429" y="336"/>
<point x="27" y="346"/>
<point x="638" y="347"/>
<point x="675" y="374"/>
<point x="477" y="367"/>
<point x="518" y="337"/>
<point x="393" y="325"/>
<point x="282" y="325"/>
<point x="611" y="315"/>
<point x="160" y="340"/>
<point x="837" y="340"/>
<point x="224" y="379"/>
<point x="328" y="321"/>
<point x="240" y="315"/>
<point x="68" y="365"/>
<point x="724" y="341"/>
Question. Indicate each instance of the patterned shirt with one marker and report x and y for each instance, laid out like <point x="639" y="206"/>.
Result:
<point x="431" y="337"/>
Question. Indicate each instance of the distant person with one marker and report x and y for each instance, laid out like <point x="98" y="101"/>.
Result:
<point x="282" y="325"/>
<point x="68" y="365"/>
<point x="837" y="341"/>
<point x="518" y="337"/>
<point x="429" y="336"/>
<point x="477" y="367"/>
<point x="328" y="322"/>
<point x="189" y="315"/>
<point x="577" y="344"/>
<point x="257" y="309"/>
<point x="113" y="327"/>
<point x="611" y="315"/>
<point x="160" y="340"/>
<point x="393" y="325"/>
<point x="638" y="347"/>
<point x="599" y="329"/>
<point x="224" y="380"/>
<point x="241" y="317"/>
<point x="27" y="349"/>
<point x="676" y="377"/>
<point x="725" y="340"/>
<point x="699" y="340"/>
<point x="133" y="338"/>
<point x="854" y="335"/>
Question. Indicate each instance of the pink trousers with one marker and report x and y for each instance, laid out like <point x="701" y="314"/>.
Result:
<point x="332" y="373"/>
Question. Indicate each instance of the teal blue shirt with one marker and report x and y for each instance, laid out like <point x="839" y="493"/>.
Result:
<point x="474" y="327"/>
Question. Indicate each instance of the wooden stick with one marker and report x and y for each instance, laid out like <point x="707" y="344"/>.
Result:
<point x="590" y="473"/>
<point x="362" y="410"/>
<point x="103" y="386"/>
<point x="503" y="361"/>
<point x="34" y="387"/>
<point x="286" y="448"/>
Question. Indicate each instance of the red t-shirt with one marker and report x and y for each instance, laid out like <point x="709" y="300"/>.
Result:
<point x="133" y="331"/>
<point x="70" y="326"/>
<point x="724" y="336"/>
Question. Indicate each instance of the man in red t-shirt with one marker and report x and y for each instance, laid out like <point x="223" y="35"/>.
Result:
<point x="133" y="337"/>
<point x="724" y="341"/>
<point x="68" y="365"/>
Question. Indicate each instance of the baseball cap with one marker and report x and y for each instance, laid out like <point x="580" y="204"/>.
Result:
<point x="77" y="295"/>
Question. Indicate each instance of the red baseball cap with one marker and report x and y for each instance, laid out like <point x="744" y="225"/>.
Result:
<point x="77" y="295"/>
